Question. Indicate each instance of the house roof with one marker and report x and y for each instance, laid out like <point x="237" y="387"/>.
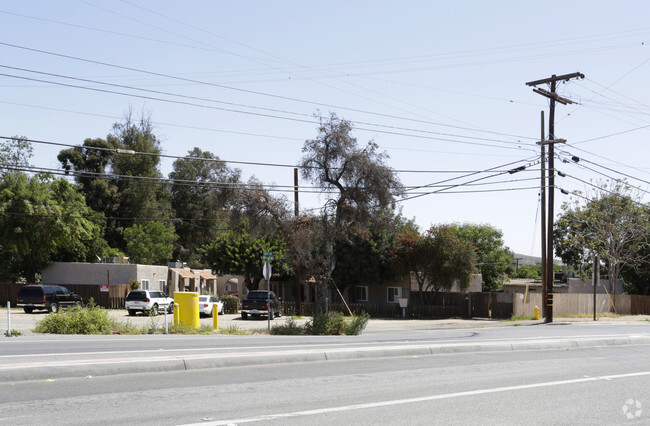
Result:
<point x="183" y="273"/>
<point x="206" y="275"/>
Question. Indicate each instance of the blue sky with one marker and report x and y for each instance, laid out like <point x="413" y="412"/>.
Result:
<point x="439" y="86"/>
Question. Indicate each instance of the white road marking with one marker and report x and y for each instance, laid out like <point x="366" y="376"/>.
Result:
<point x="413" y="400"/>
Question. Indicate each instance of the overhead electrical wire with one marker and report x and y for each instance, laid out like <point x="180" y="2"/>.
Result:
<point x="338" y="107"/>
<point x="250" y="163"/>
<point x="425" y="134"/>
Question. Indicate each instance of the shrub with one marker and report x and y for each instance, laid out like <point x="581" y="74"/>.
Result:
<point x="230" y="304"/>
<point x="289" y="328"/>
<point x="78" y="320"/>
<point x="334" y="323"/>
<point x="357" y="325"/>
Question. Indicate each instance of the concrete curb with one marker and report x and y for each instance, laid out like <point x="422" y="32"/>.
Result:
<point x="89" y="367"/>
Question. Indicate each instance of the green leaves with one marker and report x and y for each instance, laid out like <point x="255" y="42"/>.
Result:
<point x="238" y="252"/>
<point x="151" y="243"/>
<point x="44" y="220"/>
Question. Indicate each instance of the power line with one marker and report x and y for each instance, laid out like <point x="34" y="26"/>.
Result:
<point x="250" y="163"/>
<point x="258" y="92"/>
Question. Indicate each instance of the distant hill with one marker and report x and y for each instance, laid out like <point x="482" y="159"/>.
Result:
<point x="532" y="260"/>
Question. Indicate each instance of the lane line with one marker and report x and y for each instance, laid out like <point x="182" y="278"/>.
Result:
<point x="414" y="400"/>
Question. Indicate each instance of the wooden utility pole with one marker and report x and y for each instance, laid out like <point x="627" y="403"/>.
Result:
<point x="543" y="220"/>
<point x="297" y="212"/>
<point x="554" y="97"/>
<point x="595" y="280"/>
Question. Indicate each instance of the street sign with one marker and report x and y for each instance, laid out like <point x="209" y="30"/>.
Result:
<point x="267" y="256"/>
<point x="266" y="271"/>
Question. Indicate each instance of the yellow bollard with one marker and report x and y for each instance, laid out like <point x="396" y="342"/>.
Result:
<point x="177" y="314"/>
<point x="536" y="316"/>
<point x="215" y="316"/>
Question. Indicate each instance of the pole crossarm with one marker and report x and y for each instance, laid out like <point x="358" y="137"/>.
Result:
<point x="565" y="77"/>
<point x="555" y="96"/>
<point x="552" y="141"/>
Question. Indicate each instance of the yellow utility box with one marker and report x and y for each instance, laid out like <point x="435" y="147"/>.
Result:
<point x="188" y="308"/>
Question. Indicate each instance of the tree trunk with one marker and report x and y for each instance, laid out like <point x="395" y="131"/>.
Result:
<point x="322" y="298"/>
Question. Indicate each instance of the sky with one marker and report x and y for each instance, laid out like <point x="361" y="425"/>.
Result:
<point x="439" y="86"/>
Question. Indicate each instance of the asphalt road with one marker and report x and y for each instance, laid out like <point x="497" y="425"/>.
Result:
<point x="39" y="357"/>
<point x="603" y="385"/>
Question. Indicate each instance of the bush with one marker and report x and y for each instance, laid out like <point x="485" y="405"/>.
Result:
<point x="334" y="323"/>
<point x="77" y="320"/>
<point x="289" y="328"/>
<point x="357" y="325"/>
<point x="231" y="304"/>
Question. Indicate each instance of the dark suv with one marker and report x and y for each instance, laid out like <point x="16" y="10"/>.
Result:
<point x="49" y="297"/>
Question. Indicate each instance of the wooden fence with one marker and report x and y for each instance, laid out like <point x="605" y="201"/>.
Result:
<point x="114" y="298"/>
<point x="565" y="304"/>
<point x="444" y="305"/>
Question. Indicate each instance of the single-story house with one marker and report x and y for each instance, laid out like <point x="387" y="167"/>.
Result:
<point x="151" y="277"/>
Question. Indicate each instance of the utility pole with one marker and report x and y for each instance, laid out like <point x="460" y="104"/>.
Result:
<point x="543" y="204"/>
<point x="554" y="97"/>
<point x="595" y="280"/>
<point x="297" y="212"/>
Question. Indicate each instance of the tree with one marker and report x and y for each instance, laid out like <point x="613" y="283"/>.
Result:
<point x="151" y="243"/>
<point x="612" y="223"/>
<point x="238" y="252"/>
<point x="44" y="220"/>
<point x="119" y="176"/>
<point x="88" y="164"/>
<point x="437" y="259"/>
<point x="452" y="260"/>
<point x="411" y="254"/>
<point x="529" y="271"/>
<point x="492" y="258"/>
<point x="137" y="158"/>
<point x="202" y="190"/>
<point x="358" y="186"/>
<point x="15" y="154"/>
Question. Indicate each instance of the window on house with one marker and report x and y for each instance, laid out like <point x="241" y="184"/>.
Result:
<point x="394" y="293"/>
<point x="144" y="284"/>
<point x="361" y="293"/>
<point x="162" y="285"/>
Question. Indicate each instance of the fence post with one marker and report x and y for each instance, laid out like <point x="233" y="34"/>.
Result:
<point x="9" y="319"/>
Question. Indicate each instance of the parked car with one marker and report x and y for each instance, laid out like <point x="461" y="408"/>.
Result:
<point x="207" y="302"/>
<point x="256" y="304"/>
<point x="149" y="302"/>
<point x="48" y="297"/>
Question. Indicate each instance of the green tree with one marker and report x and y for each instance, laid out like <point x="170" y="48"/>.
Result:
<point x="201" y="192"/>
<point x="357" y="186"/>
<point x="238" y="252"/>
<point x="612" y="223"/>
<point x="492" y="258"/>
<point x="411" y="254"/>
<point x="131" y="165"/>
<point x="529" y="271"/>
<point x="15" y="154"/>
<point x="452" y="260"/>
<point x="43" y="220"/>
<point x="151" y="243"/>
<point x="88" y="164"/>
<point x="437" y="259"/>
<point x="120" y="176"/>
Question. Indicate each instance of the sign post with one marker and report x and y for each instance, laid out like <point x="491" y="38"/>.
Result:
<point x="266" y="271"/>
